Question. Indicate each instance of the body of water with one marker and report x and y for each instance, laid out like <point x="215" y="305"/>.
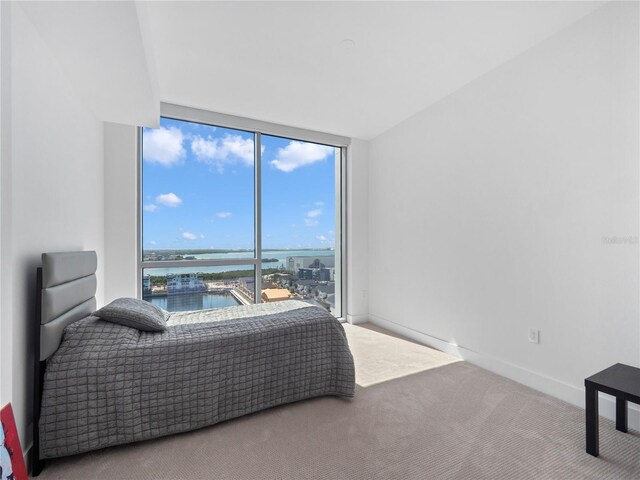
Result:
<point x="193" y="301"/>
<point x="281" y="255"/>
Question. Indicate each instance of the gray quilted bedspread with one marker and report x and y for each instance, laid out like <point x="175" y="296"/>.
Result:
<point x="108" y="384"/>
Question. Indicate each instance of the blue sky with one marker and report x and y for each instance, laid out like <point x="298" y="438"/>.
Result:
<point x="198" y="189"/>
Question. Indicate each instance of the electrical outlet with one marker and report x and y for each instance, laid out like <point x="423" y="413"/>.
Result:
<point x="534" y="335"/>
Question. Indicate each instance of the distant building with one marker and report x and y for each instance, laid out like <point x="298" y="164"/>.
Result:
<point x="317" y="264"/>
<point x="287" y="280"/>
<point x="178" y="283"/>
<point x="305" y="273"/>
<point x="295" y="263"/>
<point x="306" y="286"/>
<point x="146" y="285"/>
<point x="275" y="295"/>
<point x="323" y="291"/>
<point x="324" y="275"/>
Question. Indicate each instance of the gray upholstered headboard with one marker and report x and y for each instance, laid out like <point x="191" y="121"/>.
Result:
<point x="67" y="295"/>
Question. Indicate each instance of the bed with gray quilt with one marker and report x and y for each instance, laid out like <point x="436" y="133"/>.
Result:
<point x="109" y="384"/>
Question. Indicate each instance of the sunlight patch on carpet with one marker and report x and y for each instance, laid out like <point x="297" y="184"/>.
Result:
<point x="379" y="358"/>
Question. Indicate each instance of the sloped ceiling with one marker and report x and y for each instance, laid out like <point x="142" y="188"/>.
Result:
<point x="101" y="48"/>
<point x="349" y="68"/>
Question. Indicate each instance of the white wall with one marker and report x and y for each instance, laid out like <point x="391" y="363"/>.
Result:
<point x="57" y="190"/>
<point x="357" y="231"/>
<point x="5" y="203"/>
<point x="120" y="228"/>
<point x="488" y="212"/>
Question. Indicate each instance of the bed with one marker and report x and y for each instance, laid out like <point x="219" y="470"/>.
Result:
<point x="100" y="384"/>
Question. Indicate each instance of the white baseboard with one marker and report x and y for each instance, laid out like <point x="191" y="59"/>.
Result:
<point x="356" y="319"/>
<point x="569" y="393"/>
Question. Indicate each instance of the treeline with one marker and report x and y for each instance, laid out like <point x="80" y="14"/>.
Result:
<point x="197" y="251"/>
<point x="161" y="280"/>
<point x="191" y="251"/>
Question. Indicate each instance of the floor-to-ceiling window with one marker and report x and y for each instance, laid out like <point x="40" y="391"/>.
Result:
<point x="233" y="216"/>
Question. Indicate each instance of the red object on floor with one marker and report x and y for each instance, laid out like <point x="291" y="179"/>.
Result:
<point x="10" y="445"/>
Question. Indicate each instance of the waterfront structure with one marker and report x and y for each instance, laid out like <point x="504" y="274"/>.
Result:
<point x="180" y="283"/>
<point x="246" y="285"/>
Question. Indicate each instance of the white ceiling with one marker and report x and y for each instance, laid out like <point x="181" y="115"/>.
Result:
<point x="288" y="62"/>
<point x="285" y="62"/>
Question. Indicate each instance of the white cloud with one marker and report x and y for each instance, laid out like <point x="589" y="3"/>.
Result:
<point x="223" y="214"/>
<point x="298" y="154"/>
<point x="152" y="242"/>
<point x="310" y="218"/>
<point x="150" y="207"/>
<point x="220" y="152"/>
<point x="310" y="223"/>
<point x="319" y="204"/>
<point x="327" y="240"/>
<point x="163" y="146"/>
<point x="189" y="236"/>
<point x="169" y="200"/>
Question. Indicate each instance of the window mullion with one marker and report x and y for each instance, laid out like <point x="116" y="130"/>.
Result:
<point x="197" y="263"/>
<point x="257" y="193"/>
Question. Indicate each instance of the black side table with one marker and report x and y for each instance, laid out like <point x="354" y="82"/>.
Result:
<point x="621" y="381"/>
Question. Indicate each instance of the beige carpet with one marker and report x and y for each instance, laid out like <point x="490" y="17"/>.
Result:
<point x="381" y="357"/>
<point x="456" y="421"/>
